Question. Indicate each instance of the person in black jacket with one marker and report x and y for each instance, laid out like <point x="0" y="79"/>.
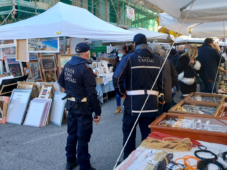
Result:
<point x="209" y="59"/>
<point x="173" y="56"/>
<point x="186" y="68"/>
<point x="78" y="80"/>
<point x="119" y="55"/>
<point x="170" y="79"/>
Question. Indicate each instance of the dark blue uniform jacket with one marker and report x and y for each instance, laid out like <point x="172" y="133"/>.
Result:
<point x="209" y="59"/>
<point x="78" y="80"/>
<point x="139" y="69"/>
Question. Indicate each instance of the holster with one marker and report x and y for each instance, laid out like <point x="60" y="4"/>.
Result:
<point x="72" y="105"/>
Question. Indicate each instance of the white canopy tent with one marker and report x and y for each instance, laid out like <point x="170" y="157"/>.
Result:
<point x="199" y="30"/>
<point x="188" y="40"/>
<point x="64" y="20"/>
<point x="151" y="35"/>
<point x="201" y="11"/>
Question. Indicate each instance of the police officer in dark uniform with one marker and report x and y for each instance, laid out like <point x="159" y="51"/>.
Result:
<point x="78" y="80"/>
<point x="139" y="69"/>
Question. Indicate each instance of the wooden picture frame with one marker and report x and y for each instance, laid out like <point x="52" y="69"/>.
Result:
<point x="36" y="70"/>
<point x="4" y="108"/>
<point x="14" y="67"/>
<point x="30" y="85"/>
<point x="63" y="59"/>
<point x="21" y="51"/>
<point x="48" y="63"/>
<point x="50" y="76"/>
<point x="27" y="71"/>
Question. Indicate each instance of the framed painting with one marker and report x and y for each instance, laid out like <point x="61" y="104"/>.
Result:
<point x="33" y="56"/>
<point x="35" y="70"/>
<point x="27" y="71"/>
<point x="45" y="45"/>
<point x="18" y="101"/>
<point x="8" y="43"/>
<point x="48" y="63"/>
<point x="64" y="59"/>
<point x="50" y="76"/>
<point x="14" y="67"/>
<point x="9" y="52"/>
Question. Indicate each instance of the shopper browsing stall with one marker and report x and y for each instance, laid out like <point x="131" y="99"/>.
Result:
<point x="119" y="55"/>
<point x="139" y="69"/>
<point x="186" y="68"/>
<point x="209" y="59"/>
<point x="79" y="83"/>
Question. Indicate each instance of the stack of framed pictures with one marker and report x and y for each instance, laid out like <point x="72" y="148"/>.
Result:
<point x="18" y="105"/>
<point x="49" y="68"/>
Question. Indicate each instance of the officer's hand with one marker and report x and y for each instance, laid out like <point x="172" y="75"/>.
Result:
<point x="162" y="102"/>
<point x="97" y="120"/>
<point x="124" y="97"/>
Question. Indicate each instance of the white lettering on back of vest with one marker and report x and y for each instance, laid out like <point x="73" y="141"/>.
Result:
<point x="69" y="75"/>
<point x="145" y="59"/>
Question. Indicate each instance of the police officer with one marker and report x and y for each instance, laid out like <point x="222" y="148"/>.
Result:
<point x="139" y="69"/>
<point x="78" y="80"/>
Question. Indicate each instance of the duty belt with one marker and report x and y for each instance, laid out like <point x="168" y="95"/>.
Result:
<point x="73" y="99"/>
<point x="142" y="92"/>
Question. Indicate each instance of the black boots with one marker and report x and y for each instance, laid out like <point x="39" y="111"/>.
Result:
<point x="71" y="166"/>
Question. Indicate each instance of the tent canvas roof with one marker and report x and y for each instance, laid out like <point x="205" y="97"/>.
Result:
<point x="201" y="11"/>
<point x="66" y="20"/>
<point x="199" y="30"/>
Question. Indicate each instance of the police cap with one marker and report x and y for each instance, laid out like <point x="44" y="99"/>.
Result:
<point x="83" y="47"/>
<point x="140" y="39"/>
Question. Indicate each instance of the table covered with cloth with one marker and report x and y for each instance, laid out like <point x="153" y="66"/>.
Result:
<point x="101" y="88"/>
<point x="139" y="158"/>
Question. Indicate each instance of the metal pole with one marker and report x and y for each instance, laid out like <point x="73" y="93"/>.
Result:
<point x="64" y="42"/>
<point x="92" y="7"/>
<point x="117" y="11"/>
<point x="106" y="10"/>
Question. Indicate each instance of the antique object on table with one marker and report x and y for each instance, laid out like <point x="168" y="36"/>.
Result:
<point x="196" y="107"/>
<point x="198" y="127"/>
<point x="206" y="97"/>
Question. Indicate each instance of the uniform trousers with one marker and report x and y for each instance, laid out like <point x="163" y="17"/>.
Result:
<point x="128" y="122"/>
<point x="79" y="134"/>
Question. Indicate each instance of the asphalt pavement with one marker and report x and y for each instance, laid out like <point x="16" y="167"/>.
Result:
<point x="30" y="148"/>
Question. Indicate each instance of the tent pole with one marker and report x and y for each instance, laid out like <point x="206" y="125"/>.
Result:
<point x="64" y="43"/>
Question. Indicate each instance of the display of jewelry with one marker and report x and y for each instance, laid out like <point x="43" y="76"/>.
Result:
<point x="198" y="97"/>
<point x="206" y="110"/>
<point x="193" y="124"/>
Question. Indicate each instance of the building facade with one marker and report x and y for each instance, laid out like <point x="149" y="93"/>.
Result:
<point x="112" y="11"/>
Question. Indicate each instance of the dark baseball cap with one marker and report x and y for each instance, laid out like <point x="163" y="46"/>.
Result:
<point x="140" y="39"/>
<point x="83" y="47"/>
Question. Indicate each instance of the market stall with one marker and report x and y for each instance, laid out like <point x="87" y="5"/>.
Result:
<point x="189" y="138"/>
<point x="35" y="50"/>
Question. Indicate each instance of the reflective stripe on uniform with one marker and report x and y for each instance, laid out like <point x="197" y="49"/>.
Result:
<point x="141" y="92"/>
<point x="144" y="111"/>
<point x="145" y="67"/>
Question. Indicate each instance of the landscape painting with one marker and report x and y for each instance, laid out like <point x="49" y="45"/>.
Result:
<point x="43" y="45"/>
